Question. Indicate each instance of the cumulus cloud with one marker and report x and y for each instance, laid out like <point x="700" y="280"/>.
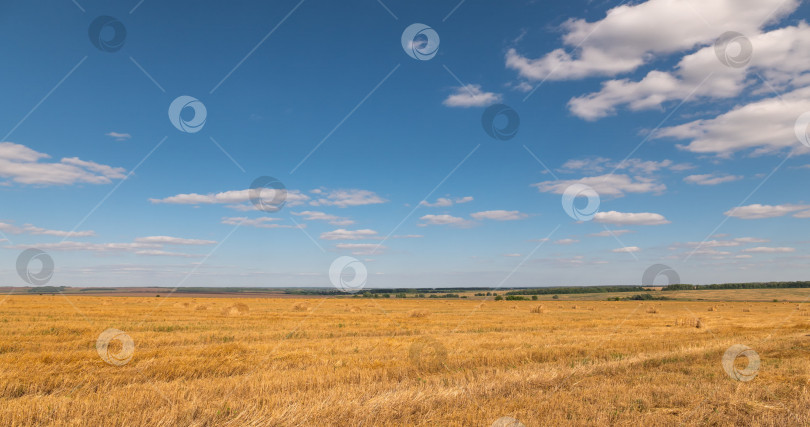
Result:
<point x="234" y="199"/>
<point x="765" y="126"/>
<point x="780" y="57"/>
<point x="627" y="249"/>
<point x="39" y="231"/>
<point x="23" y="165"/>
<point x="158" y="252"/>
<point x="343" y="234"/>
<point x="758" y="211"/>
<point x="626" y="39"/>
<point x="611" y="185"/>
<point x="471" y="96"/>
<point x="169" y="240"/>
<point x="634" y="165"/>
<point x="346" y="198"/>
<point x="711" y="179"/>
<point x="769" y="250"/>
<point x="566" y="241"/>
<point x="625" y="218"/>
<point x="445" y="220"/>
<point x="321" y="216"/>
<point x="499" y="215"/>
<point x="443" y="202"/>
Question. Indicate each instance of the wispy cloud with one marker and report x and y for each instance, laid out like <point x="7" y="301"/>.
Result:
<point x="625" y="218"/>
<point x="119" y="136"/>
<point x="471" y="95"/>
<point x="23" y="165"/>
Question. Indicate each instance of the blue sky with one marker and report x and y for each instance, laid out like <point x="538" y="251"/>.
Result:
<point x="696" y="163"/>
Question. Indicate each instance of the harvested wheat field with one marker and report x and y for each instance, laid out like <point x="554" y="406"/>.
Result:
<point x="393" y="362"/>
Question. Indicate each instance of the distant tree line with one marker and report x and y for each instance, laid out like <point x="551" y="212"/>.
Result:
<point x="757" y="285"/>
<point x="576" y="290"/>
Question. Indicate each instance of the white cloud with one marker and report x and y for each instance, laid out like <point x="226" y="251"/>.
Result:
<point x="444" y="220"/>
<point x="627" y="249"/>
<point x="21" y="164"/>
<point x="750" y="240"/>
<point x="766" y="126"/>
<point x="90" y="247"/>
<point x="119" y="136"/>
<point x="262" y="222"/>
<point x="343" y="234"/>
<point x="361" y="248"/>
<point x="711" y="179"/>
<point x="634" y="165"/>
<point x="512" y="255"/>
<point x="168" y="240"/>
<point x="780" y="57"/>
<point x="345" y="198"/>
<point x="158" y="252"/>
<point x="715" y="244"/>
<point x="499" y="215"/>
<point x="471" y="96"/>
<point x="758" y="211"/>
<point x="443" y="202"/>
<point x="321" y="216"/>
<point x="622" y="218"/>
<point x="39" y="231"/>
<point x="231" y="198"/>
<point x="611" y="233"/>
<point x="566" y="241"/>
<point x="407" y="236"/>
<point x="610" y="185"/>
<point x="632" y="35"/>
<point x="769" y="250"/>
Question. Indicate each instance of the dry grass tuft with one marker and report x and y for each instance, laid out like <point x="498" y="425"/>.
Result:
<point x="714" y="308"/>
<point x="419" y="313"/>
<point x="746" y="310"/>
<point x="201" y="307"/>
<point x="300" y="306"/>
<point x="652" y="310"/>
<point x="236" y="309"/>
<point x="689" y="322"/>
<point x="354" y="309"/>
<point x="538" y="309"/>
